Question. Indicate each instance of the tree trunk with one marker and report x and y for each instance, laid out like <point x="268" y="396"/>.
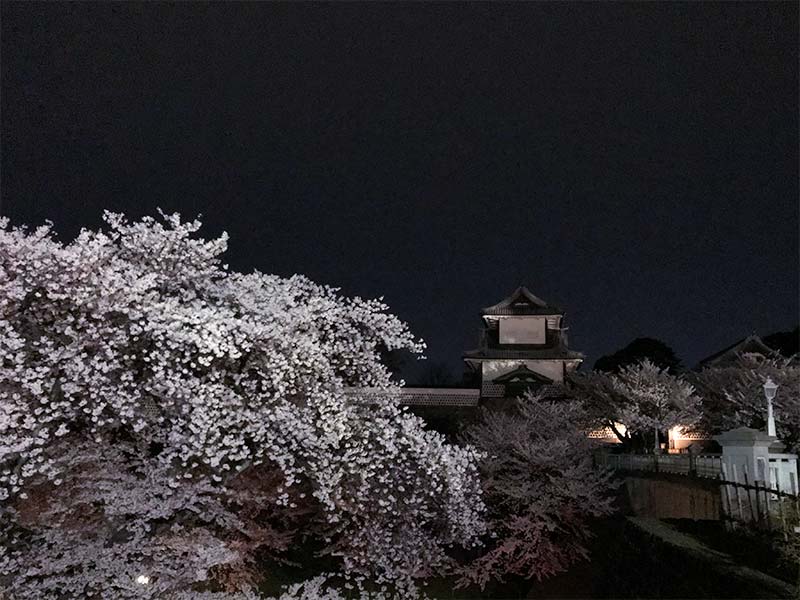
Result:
<point x="625" y="440"/>
<point x="656" y="447"/>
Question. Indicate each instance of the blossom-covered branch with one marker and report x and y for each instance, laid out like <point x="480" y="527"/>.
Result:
<point x="541" y="487"/>
<point x="136" y="345"/>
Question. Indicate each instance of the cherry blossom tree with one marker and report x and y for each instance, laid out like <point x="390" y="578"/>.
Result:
<point x="165" y="422"/>
<point x="657" y="401"/>
<point x="126" y="528"/>
<point x="734" y="396"/>
<point x="602" y="402"/>
<point x="540" y="486"/>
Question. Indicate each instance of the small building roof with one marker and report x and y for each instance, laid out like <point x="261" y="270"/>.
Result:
<point x="522" y="302"/>
<point x="752" y="344"/>
<point x="418" y="396"/>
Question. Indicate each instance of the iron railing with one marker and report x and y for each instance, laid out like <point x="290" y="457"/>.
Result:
<point x="699" y="465"/>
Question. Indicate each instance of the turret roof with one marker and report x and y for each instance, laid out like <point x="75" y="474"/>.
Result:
<point x="522" y="302"/>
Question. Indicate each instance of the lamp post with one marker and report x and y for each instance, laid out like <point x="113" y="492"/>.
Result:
<point x="770" y="389"/>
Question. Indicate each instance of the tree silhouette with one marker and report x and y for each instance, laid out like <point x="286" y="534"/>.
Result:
<point x="437" y="374"/>
<point x="785" y="342"/>
<point x="638" y="350"/>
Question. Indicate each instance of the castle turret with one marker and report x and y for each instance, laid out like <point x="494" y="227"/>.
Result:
<point x="522" y="344"/>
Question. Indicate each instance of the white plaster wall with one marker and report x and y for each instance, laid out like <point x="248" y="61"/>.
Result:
<point x="744" y="458"/>
<point x="786" y="472"/>
<point x="549" y="368"/>
<point x="522" y="330"/>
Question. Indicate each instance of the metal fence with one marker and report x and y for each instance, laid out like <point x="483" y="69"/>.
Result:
<point x="756" y="504"/>
<point x="698" y="465"/>
<point x="744" y="502"/>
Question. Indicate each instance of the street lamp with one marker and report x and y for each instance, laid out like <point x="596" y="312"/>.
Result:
<point x="770" y="389"/>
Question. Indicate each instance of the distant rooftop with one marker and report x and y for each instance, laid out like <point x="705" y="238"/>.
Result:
<point x="752" y="344"/>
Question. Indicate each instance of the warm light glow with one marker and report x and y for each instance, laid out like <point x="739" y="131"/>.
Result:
<point x="143" y="579"/>
<point x="607" y="434"/>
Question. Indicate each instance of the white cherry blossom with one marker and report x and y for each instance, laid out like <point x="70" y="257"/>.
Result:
<point x="187" y="408"/>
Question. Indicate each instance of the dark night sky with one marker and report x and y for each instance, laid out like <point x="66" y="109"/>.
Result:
<point x="635" y="163"/>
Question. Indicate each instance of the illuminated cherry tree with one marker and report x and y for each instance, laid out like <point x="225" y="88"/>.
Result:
<point x="164" y="421"/>
<point x="540" y="486"/>
<point x="657" y="400"/>
<point x="602" y="402"/>
<point x="734" y="396"/>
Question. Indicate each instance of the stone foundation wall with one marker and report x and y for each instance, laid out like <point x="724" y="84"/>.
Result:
<point x="673" y="499"/>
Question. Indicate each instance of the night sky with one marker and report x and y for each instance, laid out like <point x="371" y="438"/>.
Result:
<point x="636" y="164"/>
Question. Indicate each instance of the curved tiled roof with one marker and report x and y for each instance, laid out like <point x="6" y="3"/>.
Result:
<point x="420" y="396"/>
<point x="750" y="344"/>
<point x="522" y="302"/>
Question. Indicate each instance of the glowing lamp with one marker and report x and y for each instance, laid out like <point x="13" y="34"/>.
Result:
<point x="770" y="388"/>
<point x="143" y="579"/>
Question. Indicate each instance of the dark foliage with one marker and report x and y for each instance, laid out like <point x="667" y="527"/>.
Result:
<point x="639" y="349"/>
<point x="437" y="374"/>
<point x="785" y="342"/>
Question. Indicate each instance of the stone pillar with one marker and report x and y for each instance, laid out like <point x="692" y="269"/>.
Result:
<point x="748" y="451"/>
